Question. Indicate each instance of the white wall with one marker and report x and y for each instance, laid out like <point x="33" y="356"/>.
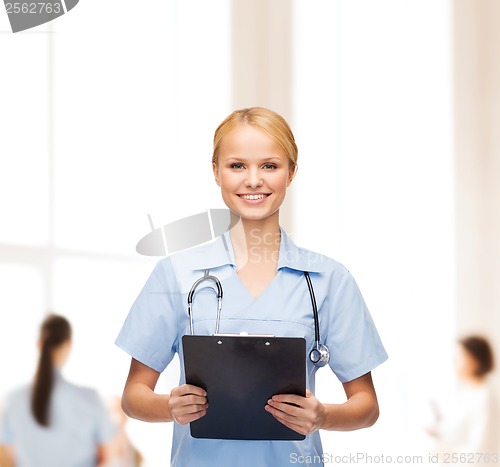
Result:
<point x="374" y="190"/>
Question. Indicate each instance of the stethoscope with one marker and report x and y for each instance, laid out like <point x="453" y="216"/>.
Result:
<point x="319" y="355"/>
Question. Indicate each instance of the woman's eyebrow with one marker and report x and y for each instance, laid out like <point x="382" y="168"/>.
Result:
<point x="243" y="159"/>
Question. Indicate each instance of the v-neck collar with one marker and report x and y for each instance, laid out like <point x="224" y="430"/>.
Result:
<point x="253" y="299"/>
<point x="221" y="253"/>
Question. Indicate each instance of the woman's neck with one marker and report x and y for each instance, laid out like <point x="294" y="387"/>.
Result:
<point x="256" y="240"/>
<point x="473" y="381"/>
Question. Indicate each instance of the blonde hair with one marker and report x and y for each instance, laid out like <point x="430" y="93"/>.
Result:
<point x="269" y="121"/>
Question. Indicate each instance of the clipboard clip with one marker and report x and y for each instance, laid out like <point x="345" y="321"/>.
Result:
<point x="241" y="334"/>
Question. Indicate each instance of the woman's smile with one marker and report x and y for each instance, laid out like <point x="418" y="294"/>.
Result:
<point x="254" y="198"/>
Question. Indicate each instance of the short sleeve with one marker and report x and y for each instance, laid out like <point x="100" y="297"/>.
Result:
<point x="354" y="343"/>
<point x="150" y="330"/>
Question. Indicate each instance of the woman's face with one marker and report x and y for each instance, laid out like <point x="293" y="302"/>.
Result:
<point x="253" y="173"/>
<point x="466" y="364"/>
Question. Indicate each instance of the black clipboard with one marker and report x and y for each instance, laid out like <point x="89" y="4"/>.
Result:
<point x="240" y="374"/>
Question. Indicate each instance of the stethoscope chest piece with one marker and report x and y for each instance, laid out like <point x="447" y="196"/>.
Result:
<point x="320" y="355"/>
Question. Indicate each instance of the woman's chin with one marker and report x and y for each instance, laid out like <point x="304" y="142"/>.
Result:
<point x="252" y="212"/>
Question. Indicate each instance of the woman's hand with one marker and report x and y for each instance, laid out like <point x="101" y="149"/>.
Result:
<point x="187" y="403"/>
<point x="305" y="416"/>
<point x="308" y="414"/>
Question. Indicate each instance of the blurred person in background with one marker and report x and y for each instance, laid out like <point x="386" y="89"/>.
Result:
<point x="122" y="452"/>
<point x="52" y="422"/>
<point x="464" y="425"/>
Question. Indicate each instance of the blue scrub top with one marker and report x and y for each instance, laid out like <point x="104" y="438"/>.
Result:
<point x="79" y="423"/>
<point x="158" y="319"/>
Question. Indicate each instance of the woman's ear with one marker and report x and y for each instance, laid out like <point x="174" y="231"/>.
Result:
<point x="291" y="174"/>
<point x="216" y="173"/>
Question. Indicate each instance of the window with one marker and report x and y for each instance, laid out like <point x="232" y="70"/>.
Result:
<point x="98" y="134"/>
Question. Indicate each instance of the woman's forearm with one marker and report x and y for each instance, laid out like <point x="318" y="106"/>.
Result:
<point x="184" y="404"/>
<point x="359" y="411"/>
<point x="141" y="402"/>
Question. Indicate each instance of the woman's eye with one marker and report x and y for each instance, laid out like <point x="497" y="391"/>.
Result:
<point x="269" y="166"/>
<point x="236" y="166"/>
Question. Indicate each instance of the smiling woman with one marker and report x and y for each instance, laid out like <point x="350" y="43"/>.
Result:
<point x="262" y="273"/>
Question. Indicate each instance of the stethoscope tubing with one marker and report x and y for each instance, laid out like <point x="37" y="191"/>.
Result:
<point x="214" y="279"/>
<point x="314" y="307"/>
<point x="320" y="354"/>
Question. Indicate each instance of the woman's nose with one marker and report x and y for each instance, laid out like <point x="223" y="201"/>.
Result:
<point x="254" y="178"/>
